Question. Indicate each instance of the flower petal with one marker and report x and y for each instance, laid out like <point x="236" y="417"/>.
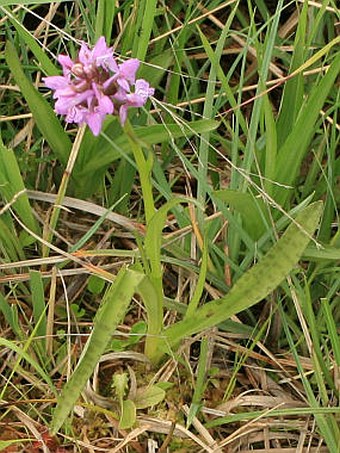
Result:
<point x="128" y="70"/>
<point x="143" y="89"/>
<point x="66" y="63"/>
<point x="123" y="83"/>
<point x="105" y="105"/>
<point x="85" y="54"/>
<point x="123" y="114"/>
<point x="100" y="48"/>
<point x="76" y="114"/>
<point x="55" y="82"/>
<point x="95" y="121"/>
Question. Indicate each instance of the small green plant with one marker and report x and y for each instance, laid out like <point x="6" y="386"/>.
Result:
<point x="142" y="398"/>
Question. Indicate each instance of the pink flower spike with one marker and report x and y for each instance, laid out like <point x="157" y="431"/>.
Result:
<point x="94" y="86"/>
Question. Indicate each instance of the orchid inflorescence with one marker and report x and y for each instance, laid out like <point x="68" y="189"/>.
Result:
<point x="95" y="85"/>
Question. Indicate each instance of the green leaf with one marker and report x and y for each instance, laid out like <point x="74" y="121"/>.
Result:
<point x="106" y="10"/>
<point x="128" y="415"/>
<point x="327" y="252"/>
<point x="148" y="396"/>
<point x="112" y="310"/>
<point x="332" y="328"/>
<point x="137" y="331"/>
<point x="12" y="186"/>
<point x="256" y="283"/>
<point x="43" y="113"/>
<point x="157" y="66"/>
<point x="253" y="210"/>
<point x="153" y="237"/>
<point x="38" y="302"/>
<point x="12" y="245"/>
<point x="11" y="316"/>
<point x="293" y="89"/>
<point x="29" y="2"/>
<point x="271" y="145"/>
<point x="292" y="152"/>
<point x="23" y="355"/>
<point x="200" y="284"/>
<point x="95" y="284"/>
<point x="7" y="443"/>
<point x="145" y="11"/>
<point x="151" y="288"/>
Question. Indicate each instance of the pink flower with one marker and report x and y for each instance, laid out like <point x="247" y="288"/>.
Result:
<point x="136" y="99"/>
<point x="95" y="85"/>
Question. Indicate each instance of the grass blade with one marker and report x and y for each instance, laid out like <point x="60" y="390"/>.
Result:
<point x="106" y="10"/>
<point x="39" y="307"/>
<point x="292" y="152"/>
<point x="46" y="64"/>
<point x="145" y="10"/>
<point x="29" y="2"/>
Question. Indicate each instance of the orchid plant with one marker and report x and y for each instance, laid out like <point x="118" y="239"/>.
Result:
<point x="93" y="86"/>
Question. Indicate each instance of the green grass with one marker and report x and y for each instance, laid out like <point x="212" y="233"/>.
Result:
<point x="182" y="284"/>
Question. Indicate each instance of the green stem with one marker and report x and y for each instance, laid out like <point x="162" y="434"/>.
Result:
<point x="144" y="168"/>
<point x="153" y="301"/>
<point x="150" y="288"/>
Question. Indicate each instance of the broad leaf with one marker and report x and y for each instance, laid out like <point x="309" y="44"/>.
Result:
<point x="111" y="312"/>
<point x="256" y="283"/>
<point x="253" y="210"/>
<point x="148" y="396"/>
<point x="128" y="415"/>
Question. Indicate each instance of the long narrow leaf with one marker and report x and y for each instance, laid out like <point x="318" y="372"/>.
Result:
<point x="256" y="283"/>
<point x="23" y="355"/>
<point x="12" y="187"/>
<point x="111" y="312"/>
